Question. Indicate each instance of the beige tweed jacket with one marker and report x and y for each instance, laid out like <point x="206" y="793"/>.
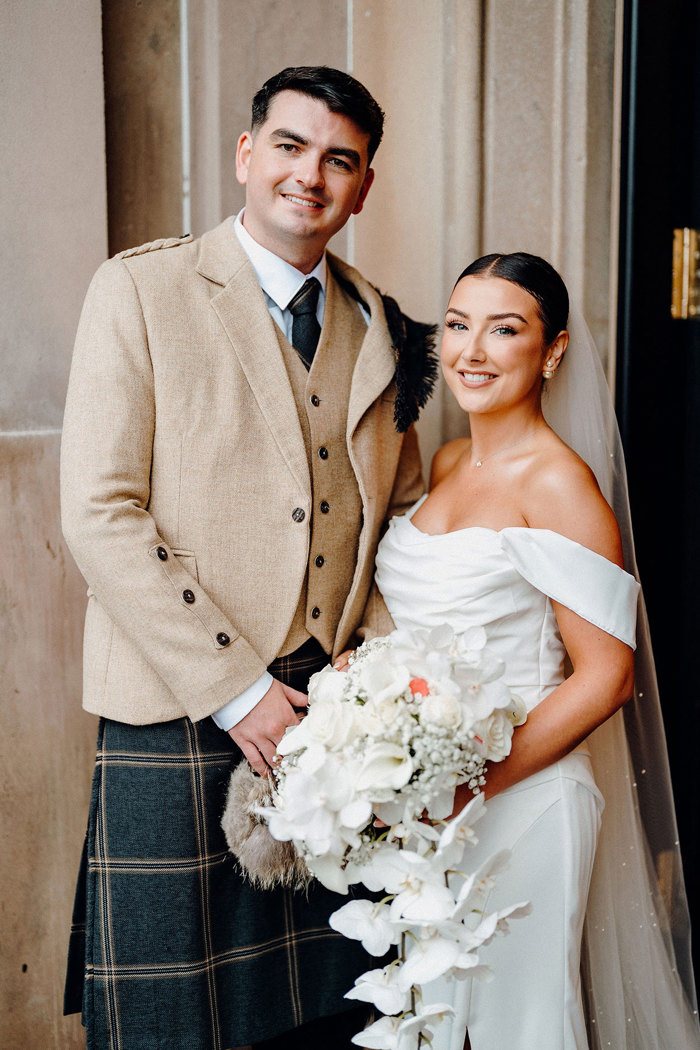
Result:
<point x="185" y="487"/>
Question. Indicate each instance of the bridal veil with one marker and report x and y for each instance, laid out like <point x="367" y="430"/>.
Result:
<point x="637" y="970"/>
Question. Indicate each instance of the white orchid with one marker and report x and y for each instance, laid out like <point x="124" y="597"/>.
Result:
<point x="398" y="870"/>
<point x="458" y="832"/>
<point x="422" y="904"/>
<point x="428" y="958"/>
<point x="477" y="886"/>
<point x="382" y="988"/>
<point x="368" y="922"/>
<point x="396" y="1033"/>
<point x="415" y="715"/>
<point x="329" y="871"/>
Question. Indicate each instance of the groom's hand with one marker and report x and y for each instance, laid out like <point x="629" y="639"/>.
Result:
<point x="259" y="733"/>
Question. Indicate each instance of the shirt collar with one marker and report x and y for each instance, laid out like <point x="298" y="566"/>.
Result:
<point x="278" y="279"/>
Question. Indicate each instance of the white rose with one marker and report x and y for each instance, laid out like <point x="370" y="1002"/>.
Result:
<point x="327" y="684"/>
<point x="383" y="680"/>
<point x="441" y="709"/>
<point x="329" y="723"/>
<point x="387" y="712"/>
<point x="495" y="734"/>
<point x="385" y="766"/>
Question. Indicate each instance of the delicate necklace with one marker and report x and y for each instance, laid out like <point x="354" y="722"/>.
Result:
<point x="480" y="462"/>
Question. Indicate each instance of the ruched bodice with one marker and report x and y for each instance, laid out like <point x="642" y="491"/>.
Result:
<point x="505" y="582"/>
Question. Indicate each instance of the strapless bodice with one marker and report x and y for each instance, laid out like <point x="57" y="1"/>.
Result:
<point x="504" y="582"/>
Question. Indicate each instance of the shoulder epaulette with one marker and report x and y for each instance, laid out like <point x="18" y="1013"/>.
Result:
<point x="155" y="246"/>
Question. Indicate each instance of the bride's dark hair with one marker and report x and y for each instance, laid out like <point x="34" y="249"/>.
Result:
<point x="534" y="275"/>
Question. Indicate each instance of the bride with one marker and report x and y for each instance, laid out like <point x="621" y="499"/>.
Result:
<point x="516" y="535"/>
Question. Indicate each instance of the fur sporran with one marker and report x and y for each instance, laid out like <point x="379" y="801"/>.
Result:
<point x="264" y="861"/>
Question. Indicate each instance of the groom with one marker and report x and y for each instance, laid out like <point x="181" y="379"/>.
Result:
<point x="237" y="432"/>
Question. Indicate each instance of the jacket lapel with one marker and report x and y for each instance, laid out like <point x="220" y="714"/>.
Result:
<point x="241" y="308"/>
<point x="375" y="366"/>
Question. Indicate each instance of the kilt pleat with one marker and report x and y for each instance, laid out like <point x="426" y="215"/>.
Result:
<point x="171" y="949"/>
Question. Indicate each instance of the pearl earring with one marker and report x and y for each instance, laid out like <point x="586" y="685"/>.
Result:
<point x="549" y="371"/>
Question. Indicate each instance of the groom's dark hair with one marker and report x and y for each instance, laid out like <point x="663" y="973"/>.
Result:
<point x="536" y="276"/>
<point x="336" y="89"/>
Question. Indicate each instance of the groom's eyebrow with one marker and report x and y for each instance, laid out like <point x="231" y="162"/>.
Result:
<point x="337" y="151"/>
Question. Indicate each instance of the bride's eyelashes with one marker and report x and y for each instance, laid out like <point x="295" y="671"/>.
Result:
<point x="501" y="329"/>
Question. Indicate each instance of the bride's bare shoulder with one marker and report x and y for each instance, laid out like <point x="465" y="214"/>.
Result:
<point x="445" y="459"/>
<point x="562" y="494"/>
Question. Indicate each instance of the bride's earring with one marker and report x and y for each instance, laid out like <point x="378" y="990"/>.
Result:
<point x="549" y="371"/>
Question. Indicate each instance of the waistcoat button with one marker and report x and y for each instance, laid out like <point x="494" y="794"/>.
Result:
<point x="315" y="612"/>
<point x="315" y="400"/>
<point x="325" y="507"/>
<point x="323" y="452"/>
<point x="319" y="560"/>
<point x="298" y="514"/>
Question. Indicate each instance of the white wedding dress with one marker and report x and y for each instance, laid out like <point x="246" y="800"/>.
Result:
<point x="505" y="582"/>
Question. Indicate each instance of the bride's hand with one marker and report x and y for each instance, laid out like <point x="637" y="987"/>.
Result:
<point x="343" y="661"/>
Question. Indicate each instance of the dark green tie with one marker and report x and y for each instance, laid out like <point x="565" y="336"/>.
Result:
<point x="305" y="327"/>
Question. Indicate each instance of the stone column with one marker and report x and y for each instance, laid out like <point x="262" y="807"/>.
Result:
<point x="422" y="221"/>
<point x="54" y="228"/>
<point x="548" y="142"/>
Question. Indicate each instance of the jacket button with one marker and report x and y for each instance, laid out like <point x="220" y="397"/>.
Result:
<point x="188" y="596"/>
<point x="315" y="400"/>
<point x="323" y="452"/>
<point x="223" y="639"/>
<point x="162" y="553"/>
<point x="298" y="514"/>
<point x="325" y="507"/>
<point x="319" y="560"/>
<point x="315" y="612"/>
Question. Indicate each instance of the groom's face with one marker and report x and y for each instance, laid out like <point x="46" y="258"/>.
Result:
<point x="305" y="171"/>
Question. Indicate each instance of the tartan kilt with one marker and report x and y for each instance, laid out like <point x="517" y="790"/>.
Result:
<point x="171" y="949"/>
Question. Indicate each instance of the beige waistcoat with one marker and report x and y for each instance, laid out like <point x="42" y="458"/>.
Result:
<point x="336" y="518"/>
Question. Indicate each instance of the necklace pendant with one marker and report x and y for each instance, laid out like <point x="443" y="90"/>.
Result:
<point x="478" y="462"/>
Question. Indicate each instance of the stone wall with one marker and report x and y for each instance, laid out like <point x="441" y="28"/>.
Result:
<point x="499" y="136"/>
<point x="53" y="212"/>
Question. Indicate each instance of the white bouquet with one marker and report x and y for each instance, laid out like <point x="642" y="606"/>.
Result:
<point x="363" y="787"/>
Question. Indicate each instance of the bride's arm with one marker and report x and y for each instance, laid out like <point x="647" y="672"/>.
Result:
<point x="601" y="682"/>
<point x="566" y="499"/>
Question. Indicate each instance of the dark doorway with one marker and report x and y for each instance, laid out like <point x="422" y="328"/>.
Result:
<point x="658" y="386"/>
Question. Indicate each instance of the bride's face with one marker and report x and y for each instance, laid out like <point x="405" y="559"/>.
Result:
<point x="493" y="348"/>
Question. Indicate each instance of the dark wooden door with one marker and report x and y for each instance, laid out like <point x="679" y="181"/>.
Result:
<point x="658" y="387"/>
